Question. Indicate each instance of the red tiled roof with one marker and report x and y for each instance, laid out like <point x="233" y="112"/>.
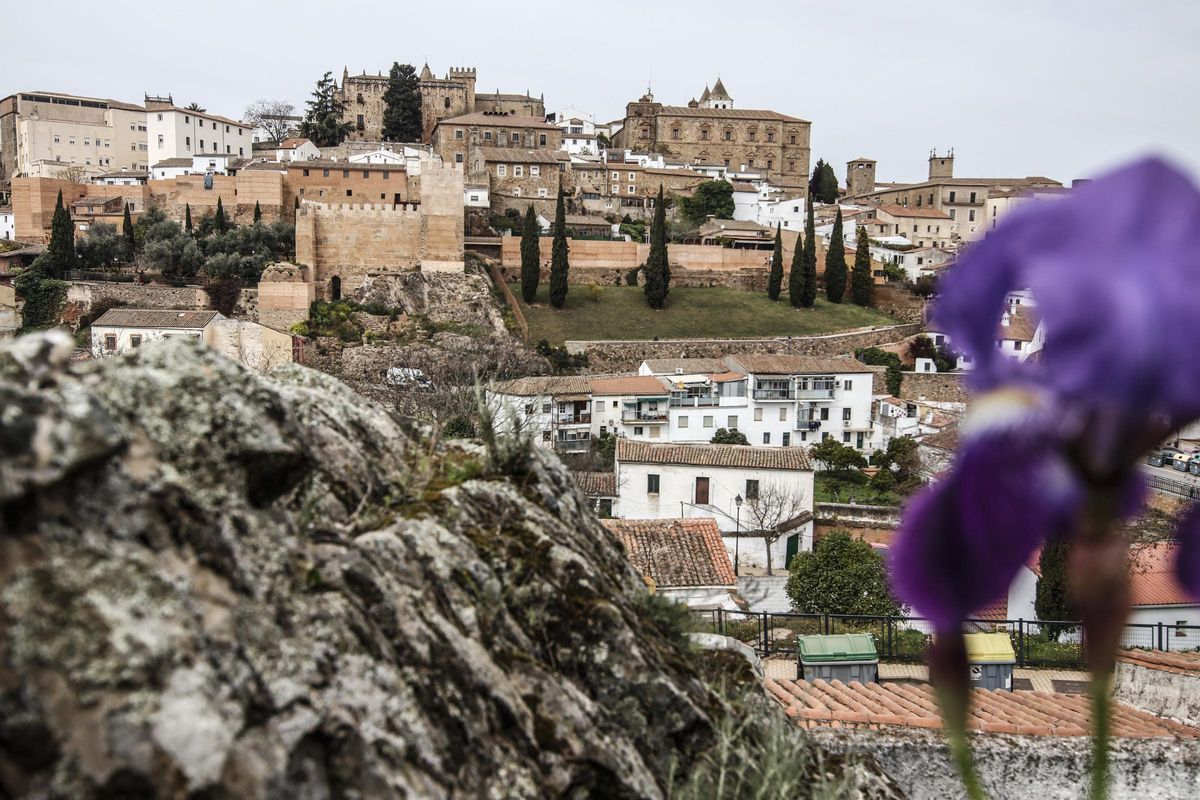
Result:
<point x="995" y="610"/>
<point x="634" y="384"/>
<point x="596" y="484"/>
<point x="714" y="455"/>
<point x="1152" y="579"/>
<point x="675" y="552"/>
<point x="906" y="211"/>
<point x="1179" y="663"/>
<point x="820" y="703"/>
<point x="292" y="143"/>
<point x="726" y="377"/>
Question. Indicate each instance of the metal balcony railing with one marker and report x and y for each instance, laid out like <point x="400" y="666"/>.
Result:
<point x="774" y="394"/>
<point x="643" y="416"/>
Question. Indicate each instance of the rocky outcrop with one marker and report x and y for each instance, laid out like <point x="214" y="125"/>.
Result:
<point x="220" y="584"/>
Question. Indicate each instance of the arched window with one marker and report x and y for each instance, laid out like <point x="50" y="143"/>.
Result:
<point x="335" y="289"/>
<point x="447" y="102"/>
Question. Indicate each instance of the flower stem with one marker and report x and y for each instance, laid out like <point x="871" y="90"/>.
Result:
<point x="960" y="749"/>
<point x="1100" y="732"/>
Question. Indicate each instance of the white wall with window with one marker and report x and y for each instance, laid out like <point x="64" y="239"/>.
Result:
<point x="182" y="133"/>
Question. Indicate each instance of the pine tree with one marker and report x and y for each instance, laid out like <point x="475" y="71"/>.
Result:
<point x="323" y="120"/>
<point x="559" y="265"/>
<point x="531" y="256"/>
<point x="402" y="105"/>
<point x="861" y="283"/>
<point x="130" y="243"/>
<point x="187" y="217"/>
<point x="220" y="224"/>
<point x="775" y="280"/>
<point x="810" y="260"/>
<point x="835" y="262"/>
<point x="656" y="269"/>
<point x="1051" y="598"/>
<point x="257" y="212"/>
<point x="814" y="180"/>
<point x="61" y="251"/>
<point x="828" y="184"/>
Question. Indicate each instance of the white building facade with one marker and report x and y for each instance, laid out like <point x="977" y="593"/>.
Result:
<point x="183" y="133"/>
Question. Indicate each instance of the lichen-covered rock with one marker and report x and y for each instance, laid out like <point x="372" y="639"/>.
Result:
<point x="220" y="584"/>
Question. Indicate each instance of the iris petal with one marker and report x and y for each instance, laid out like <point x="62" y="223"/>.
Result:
<point x="963" y="539"/>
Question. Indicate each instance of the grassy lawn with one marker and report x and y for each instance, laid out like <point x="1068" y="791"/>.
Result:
<point x="827" y="488"/>
<point x="713" y="312"/>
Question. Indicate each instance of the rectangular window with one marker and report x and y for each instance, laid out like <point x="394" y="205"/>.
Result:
<point x="324" y="173"/>
<point x="385" y="174"/>
<point x="349" y="193"/>
<point x="188" y="141"/>
<point x="458" y="158"/>
<point x="135" y="340"/>
<point x="751" y="490"/>
<point x="952" y="212"/>
<point x="632" y="176"/>
<point x="651" y="484"/>
<point x="616" y="176"/>
<point x="638" y="431"/>
<point x="487" y="136"/>
<point x="731" y="422"/>
<point x="971" y="215"/>
<point x="542" y="192"/>
<point x="518" y="171"/>
<point x="683" y="422"/>
<point x="110" y="341"/>
<point x="631" y="189"/>
<point x="366" y="174"/>
<point x="845" y="415"/>
<point x="846" y="437"/>
<point x="516" y="138"/>
<point x="345" y="173"/>
<point x="758" y="415"/>
<point x="542" y="140"/>
<point x="502" y="170"/>
<point x="305" y="175"/>
<point x="1017" y="345"/>
<point x="458" y="134"/>
<point x="952" y="196"/>
<point x="535" y="171"/>
<point x="847" y="385"/>
<point x="825" y="414"/>
<point x="701" y="491"/>
<point x="972" y="197"/>
<point x="604" y="506"/>
<point x="783" y="414"/>
<point x="708" y="422"/>
<point x="787" y="438"/>
<point x="516" y="191"/>
<point x="766" y="438"/>
<point x="1180" y="624"/>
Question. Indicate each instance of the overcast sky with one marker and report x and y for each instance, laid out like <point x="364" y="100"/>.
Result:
<point x="1020" y="87"/>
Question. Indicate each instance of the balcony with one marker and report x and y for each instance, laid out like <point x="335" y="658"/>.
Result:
<point x="806" y="424"/>
<point x="573" y="445"/>
<point x="643" y="416"/>
<point x="774" y="394"/>
<point x="573" y="419"/>
<point x="814" y="393"/>
<point x="695" y="401"/>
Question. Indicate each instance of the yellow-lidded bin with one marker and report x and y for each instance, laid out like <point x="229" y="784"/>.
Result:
<point x="991" y="660"/>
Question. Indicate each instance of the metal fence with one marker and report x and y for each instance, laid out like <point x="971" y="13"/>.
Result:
<point x="904" y="639"/>
<point x="1168" y="486"/>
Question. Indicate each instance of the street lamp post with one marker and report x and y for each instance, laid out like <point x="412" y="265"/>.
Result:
<point x="737" y="536"/>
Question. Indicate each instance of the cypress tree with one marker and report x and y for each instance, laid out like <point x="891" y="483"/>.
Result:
<point x="559" y="266"/>
<point x="1051" y="600"/>
<point x="658" y="274"/>
<point x="835" y="262"/>
<point x="531" y="256"/>
<point x="861" y="284"/>
<point x="127" y="233"/>
<point x="257" y="212"/>
<point x="810" y="260"/>
<point x="402" y="105"/>
<point x="187" y="217"/>
<point x="220" y="224"/>
<point x="61" y="250"/>
<point x="796" y="288"/>
<point x="775" y="280"/>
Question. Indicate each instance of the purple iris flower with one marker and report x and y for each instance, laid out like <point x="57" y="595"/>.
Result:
<point x="1053" y="443"/>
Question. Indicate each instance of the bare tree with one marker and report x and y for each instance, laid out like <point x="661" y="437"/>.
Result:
<point x="772" y="510"/>
<point x="276" y="117"/>
<point x="73" y="173"/>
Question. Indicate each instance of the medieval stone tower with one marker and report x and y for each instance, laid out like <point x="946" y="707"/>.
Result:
<point x="860" y="176"/>
<point x="941" y="166"/>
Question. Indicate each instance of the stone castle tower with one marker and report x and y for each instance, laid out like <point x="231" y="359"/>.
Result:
<point x="860" y="176"/>
<point x="941" y="166"/>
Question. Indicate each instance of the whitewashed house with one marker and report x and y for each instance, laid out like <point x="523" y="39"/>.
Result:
<point x="380" y="156"/>
<point x="122" y="177"/>
<point x="120" y="330"/>
<point x="475" y="195"/>
<point x="1021" y="333"/>
<point x="297" y="148"/>
<point x="216" y="163"/>
<point x="681" y="559"/>
<point x="181" y="133"/>
<point x="634" y="406"/>
<point x="8" y="225"/>
<point x="555" y="410"/>
<point x="734" y="485"/>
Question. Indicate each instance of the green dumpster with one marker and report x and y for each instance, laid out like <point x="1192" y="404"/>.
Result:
<point x="843" y="656"/>
<point x="992" y="660"/>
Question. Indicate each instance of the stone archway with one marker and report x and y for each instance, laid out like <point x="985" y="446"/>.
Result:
<point x="335" y="289"/>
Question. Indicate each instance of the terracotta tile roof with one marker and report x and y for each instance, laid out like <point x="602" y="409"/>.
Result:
<point x="996" y="610"/>
<point x="1152" y="576"/>
<point x="727" y="113"/>
<point x="684" y="366"/>
<point x="149" y="318"/>
<point x="942" y="440"/>
<point x="597" y="484"/>
<point x="726" y="377"/>
<point x="761" y="364"/>
<point x="499" y="120"/>
<point x="714" y="455"/>
<point x="820" y="704"/>
<point x="1022" y="323"/>
<point x="634" y="384"/>
<point x="173" y="162"/>
<point x="520" y="155"/>
<point x="1179" y="663"/>
<point x="675" y="552"/>
<point x="924" y="213"/>
<point x="292" y="143"/>
<point x="544" y="385"/>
